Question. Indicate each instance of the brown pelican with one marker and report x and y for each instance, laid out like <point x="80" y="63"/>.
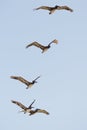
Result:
<point x="42" y="47"/>
<point x="21" y="79"/>
<point x="29" y="109"/>
<point x="53" y="9"/>
<point x="25" y="109"/>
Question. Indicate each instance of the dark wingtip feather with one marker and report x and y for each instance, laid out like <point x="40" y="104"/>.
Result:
<point x="12" y="101"/>
<point x="71" y="10"/>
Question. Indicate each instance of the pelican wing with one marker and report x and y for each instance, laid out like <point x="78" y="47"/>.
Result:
<point x="31" y="104"/>
<point x="19" y="104"/>
<point x="42" y="111"/>
<point x="36" y="78"/>
<point x="65" y="7"/>
<point x="43" y="7"/>
<point x="20" y="79"/>
<point x="38" y="111"/>
<point x="35" y="44"/>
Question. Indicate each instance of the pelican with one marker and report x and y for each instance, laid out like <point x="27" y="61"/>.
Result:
<point x="42" y="47"/>
<point x="29" y="109"/>
<point x="53" y="9"/>
<point x="21" y="79"/>
<point x="25" y="109"/>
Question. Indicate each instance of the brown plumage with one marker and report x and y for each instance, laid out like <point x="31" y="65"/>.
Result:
<point x="29" y="109"/>
<point x="42" y="47"/>
<point x="53" y="9"/>
<point x="21" y="79"/>
<point x="38" y="111"/>
<point x="25" y="109"/>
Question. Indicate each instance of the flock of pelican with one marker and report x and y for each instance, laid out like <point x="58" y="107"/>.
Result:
<point x="30" y="109"/>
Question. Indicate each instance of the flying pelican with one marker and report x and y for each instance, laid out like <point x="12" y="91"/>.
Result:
<point x="21" y="79"/>
<point x="29" y="109"/>
<point x="42" y="47"/>
<point x="53" y="9"/>
<point x="25" y="109"/>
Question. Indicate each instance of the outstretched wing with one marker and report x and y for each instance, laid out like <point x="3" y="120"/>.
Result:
<point x="35" y="44"/>
<point x="42" y="111"/>
<point x="36" y="78"/>
<point x="20" y="79"/>
<point x="31" y="105"/>
<point x="66" y="8"/>
<point x="43" y="7"/>
<point x="19" y="104"/>
<point x="38" y="111"/>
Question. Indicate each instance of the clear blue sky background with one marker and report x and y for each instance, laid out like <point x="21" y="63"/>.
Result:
<point x="62" y="88"/>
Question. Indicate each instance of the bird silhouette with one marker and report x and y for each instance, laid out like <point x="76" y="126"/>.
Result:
<point x="25" y="109"/>
<point x="42" y="47"/>
<point x="21" y="79"/>
<point x="53" y="9"/>
<point x="29" y="109"/>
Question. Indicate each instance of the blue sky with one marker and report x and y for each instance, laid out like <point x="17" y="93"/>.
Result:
<point x="62" y="88"/>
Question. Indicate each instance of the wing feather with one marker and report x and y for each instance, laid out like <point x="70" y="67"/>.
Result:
<point x="20" y="79"/>
<point x="19" y="104"/>
<point x="36" y="78"/>
<point x="42" y="111"/>
<point x="30" y="106"/>
<point x="66" y="8"/>
<point x="35" y="44"/>
<point x="43" y="7"/>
